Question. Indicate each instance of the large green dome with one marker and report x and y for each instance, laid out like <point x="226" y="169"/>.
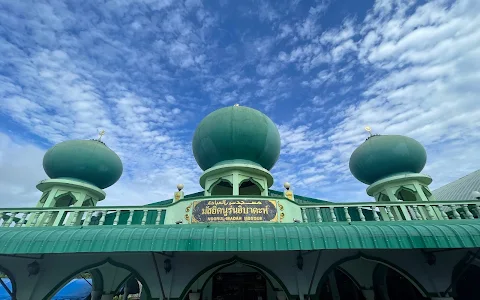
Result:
<point x="236" y="133"/>
<point x="85" y="160"/>
<point x="381" y="156"/>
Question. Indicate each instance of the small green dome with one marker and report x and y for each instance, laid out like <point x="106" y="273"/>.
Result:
<point x="236" y="133"/>
<point x="86" y="160"/>
<point x="381" y="156"/>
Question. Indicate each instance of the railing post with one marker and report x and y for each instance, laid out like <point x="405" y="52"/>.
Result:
<point x="468" y="214"/>
<point x="360" y="213"/>
<point x="347" y="214"/>
<point x="319" y="215"/>
<point x="430" y="213"/>
<point x="88" y="217"/>
<point x="304" y="215"/>
<point x="159" y="216"/>
<point x="35" y="217"/>
<point x="144" y="218"/>
<point x="374" y="212"/>
<point x="10" y="219"/>
<point x="332" y="214"/>
<point x="22" y="220"/>
<point x="389" y="213"/>
<point x="442" y="212"/>
<point x="455" y="213"/>
<point x="102" y="219"/>
<point x="130" y="217"/>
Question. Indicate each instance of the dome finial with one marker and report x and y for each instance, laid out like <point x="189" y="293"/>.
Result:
<point x="368" y="129"/>
<point x="100" y="135"/>
<point x="237" y="104"/>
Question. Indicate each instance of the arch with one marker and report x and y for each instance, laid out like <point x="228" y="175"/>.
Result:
<point x="88" y="202"/>
<point x="250" y="186"/>
<point x="361" y="255"/>
<point x="97" y="279"/>
<point x="12" y="279"/>
<point x="65" y="200"/>
<point x="225" y="263"/>
<point x="339" y="272"/>
<point x="406" y="194"/>
<point x="388" y="284"/>
<point x="95" y="265"/>
<point x="221" y="187"/>
<point x="383" y="197"/>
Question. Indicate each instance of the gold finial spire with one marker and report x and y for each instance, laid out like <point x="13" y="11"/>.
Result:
<point x="369" y="130"/>
<point x="101" y="134"/>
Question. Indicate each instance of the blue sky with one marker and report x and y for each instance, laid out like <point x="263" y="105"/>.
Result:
<point x="147" y="72"/>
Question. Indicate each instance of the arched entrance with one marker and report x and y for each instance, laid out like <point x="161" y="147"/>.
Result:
<point x="118" y="277"/>
<point x="222" y="187"/>
<point x="250" y="187"/>
<point x="235" y="279"/>
<point x="389" y="284"/>
<point x="340" y="286"/>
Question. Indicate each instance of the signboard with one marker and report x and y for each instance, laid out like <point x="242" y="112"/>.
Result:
<point x="234" y="211"/>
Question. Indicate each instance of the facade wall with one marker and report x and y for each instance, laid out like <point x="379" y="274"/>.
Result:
<point x="190" y="270"/>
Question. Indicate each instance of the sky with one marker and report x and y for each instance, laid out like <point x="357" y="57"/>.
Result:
<point x="148" y="71"/>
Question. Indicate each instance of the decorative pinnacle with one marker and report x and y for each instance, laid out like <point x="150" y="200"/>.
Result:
<point x="369" y="130"/>
<point x="101" y="134"/>
<point x="286" y="185"/>
<point x="237" y="104"/>
<point x="180" y="186"/>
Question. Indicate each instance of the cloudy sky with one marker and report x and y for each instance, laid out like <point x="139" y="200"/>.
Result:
<point x="147" y="72"/>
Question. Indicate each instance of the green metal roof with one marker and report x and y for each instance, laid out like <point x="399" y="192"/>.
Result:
<point x="460" y="189"/>
<point x="242" y="237"/>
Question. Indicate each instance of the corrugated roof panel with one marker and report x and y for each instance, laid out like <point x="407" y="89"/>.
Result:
<point x="460" y="189"/>
<point x="242" y="237"/>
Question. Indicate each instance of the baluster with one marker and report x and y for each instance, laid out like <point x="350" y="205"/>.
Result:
<point x="159" y="216"/>
<point x="417" y="213"/>
<point x="47" y="219"/>
<point x="304" y="215"/>
<point x="430" y="213"/>
<point x="442" y="212"/>
<point x="477" y="209"/>
<point x="74" y="218"/>
<point x="144" y="218"/>
<point x="88" y="218"/>
<point x="347" y="214"/>
<point x="360" y="213"/>
<point x="130" y="217"/>
<point x="468" y="214"/>
<point x="319" y="215"/>
<point x="22" y="220"/>
<point x="332" y="214"/>
<point x="389" y="213"/>
<point x="374" y="212"/>
<point x="104" y="215"/>
<point x="35" y="217"/>
<point x="455" y="213"/>
<point x="117" y="217"/>
<point x="9" y="221"/>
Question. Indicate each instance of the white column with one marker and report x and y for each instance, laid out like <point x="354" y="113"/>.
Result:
<point x="107" y="297"/>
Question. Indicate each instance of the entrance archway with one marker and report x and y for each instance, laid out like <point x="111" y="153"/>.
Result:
<point x="340" y="286"/>
<point x="389" y="284"/>
<point x="222" y="187"/>
<point x="250" y="187"/>
<point x="97" y="279"/>
<point x="203" y="281"/>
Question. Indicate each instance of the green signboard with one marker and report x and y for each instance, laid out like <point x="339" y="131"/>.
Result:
<point x="234" y="211"/>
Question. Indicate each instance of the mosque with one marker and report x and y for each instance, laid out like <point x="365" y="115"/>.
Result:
<point x="237" y="239"/>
